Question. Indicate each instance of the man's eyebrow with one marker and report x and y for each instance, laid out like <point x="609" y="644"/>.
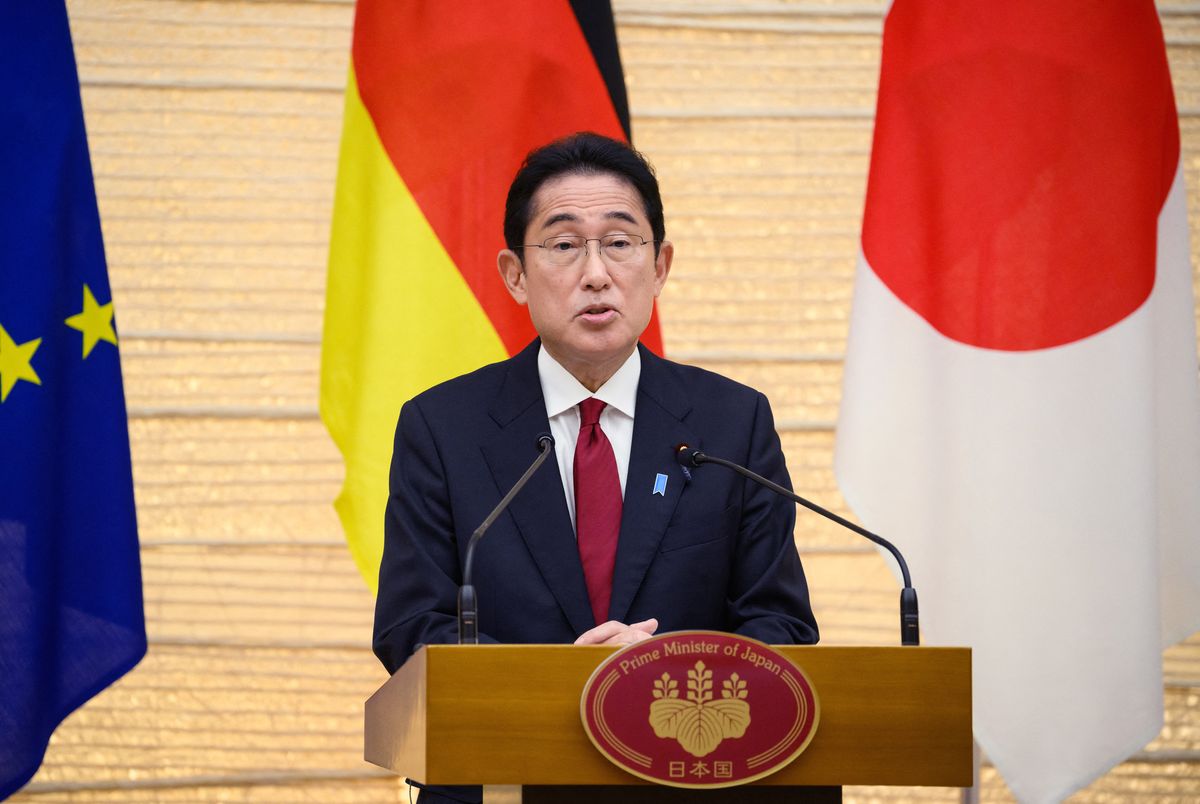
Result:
<point x="621" y="215"/>
<point x="568" y="217"/>
<point x="560" y="217"/>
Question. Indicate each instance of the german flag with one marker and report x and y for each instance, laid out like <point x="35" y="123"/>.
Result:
<point x="444" y="101"/>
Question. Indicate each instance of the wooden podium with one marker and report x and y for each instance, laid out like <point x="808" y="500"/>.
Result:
<point x="509" y="715"/>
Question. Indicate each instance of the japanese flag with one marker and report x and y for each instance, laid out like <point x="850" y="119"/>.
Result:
<point x="1020" y="406"/>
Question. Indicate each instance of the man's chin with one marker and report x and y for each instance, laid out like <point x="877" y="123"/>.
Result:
<point x="595" y="350"/>
<point x="605" y="347"/>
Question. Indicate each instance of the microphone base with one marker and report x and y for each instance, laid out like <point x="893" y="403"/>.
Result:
<point x="910" y="621"/>
<point x="468" y="616"/>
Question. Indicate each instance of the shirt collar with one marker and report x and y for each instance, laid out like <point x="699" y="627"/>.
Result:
<point x="562" y="391"/>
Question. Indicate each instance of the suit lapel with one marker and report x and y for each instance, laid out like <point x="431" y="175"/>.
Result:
<point x="657" y="429"/>
<point x="540" y="510"/>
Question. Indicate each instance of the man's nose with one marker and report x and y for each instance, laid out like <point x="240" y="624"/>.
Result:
<point x="595" y="269"/>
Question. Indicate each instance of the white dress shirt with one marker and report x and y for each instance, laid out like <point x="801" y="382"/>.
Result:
<point x="563" y="393"/>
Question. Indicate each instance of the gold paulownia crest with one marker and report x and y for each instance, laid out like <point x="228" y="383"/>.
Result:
<point x="699" y="723"/>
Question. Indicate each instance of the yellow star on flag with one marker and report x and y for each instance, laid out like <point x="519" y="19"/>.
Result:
<point x="14" y="362"/>
<point x="95" y="322"/>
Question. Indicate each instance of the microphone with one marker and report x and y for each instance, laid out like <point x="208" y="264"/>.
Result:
<point x="468" y="606"/>
<point x="910" y="632"/>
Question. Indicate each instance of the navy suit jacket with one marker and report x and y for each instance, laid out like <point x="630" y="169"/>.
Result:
<point x="713" y="552"/>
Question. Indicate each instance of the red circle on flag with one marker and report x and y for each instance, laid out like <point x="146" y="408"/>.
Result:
<point x="1019" y="167"/>
<point x="699" y="709"/>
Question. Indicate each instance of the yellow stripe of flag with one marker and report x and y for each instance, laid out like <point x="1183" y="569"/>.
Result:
<point x="392" y="290"/>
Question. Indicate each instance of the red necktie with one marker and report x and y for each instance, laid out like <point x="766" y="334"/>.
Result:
<point x="597" y="506"/>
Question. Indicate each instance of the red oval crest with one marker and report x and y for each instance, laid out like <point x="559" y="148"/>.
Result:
<point x="699" y="709"/>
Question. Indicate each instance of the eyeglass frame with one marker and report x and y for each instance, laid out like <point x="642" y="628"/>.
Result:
<point x="598" y="240"/>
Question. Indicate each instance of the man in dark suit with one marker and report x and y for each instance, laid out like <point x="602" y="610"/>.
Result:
<point x="618" y="540"/>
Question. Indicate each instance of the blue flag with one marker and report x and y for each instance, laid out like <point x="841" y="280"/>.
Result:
<point x="71" y="617"/>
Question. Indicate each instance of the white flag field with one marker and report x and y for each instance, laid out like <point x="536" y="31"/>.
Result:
<point x="1021" y="405"/>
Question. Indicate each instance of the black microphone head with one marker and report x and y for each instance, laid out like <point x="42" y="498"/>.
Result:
<point x="687" y="456"/>
<point x="545" y="441"/>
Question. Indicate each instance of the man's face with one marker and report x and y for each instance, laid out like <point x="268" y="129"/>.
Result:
<point x="591" y="313"/>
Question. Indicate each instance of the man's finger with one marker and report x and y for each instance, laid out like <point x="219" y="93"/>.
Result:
<point x="648" y="626"/>
<point x="601" y="633"/>
<point x="628" y="637"/>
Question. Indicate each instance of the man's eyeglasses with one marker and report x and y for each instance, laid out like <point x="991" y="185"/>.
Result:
<point x="568" y="249"/>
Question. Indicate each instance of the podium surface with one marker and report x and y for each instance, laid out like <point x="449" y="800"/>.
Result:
<point x="509" y="715"/>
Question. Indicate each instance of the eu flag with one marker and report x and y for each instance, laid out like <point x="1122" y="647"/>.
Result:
<point x="71" y="618"/>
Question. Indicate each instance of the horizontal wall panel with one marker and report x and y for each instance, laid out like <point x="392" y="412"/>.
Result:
<point x="270" y="595"/>
<point x="235" y="480"/>
<point x="197" y="711"/>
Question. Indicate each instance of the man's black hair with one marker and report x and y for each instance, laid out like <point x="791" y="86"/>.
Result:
<point x="584" y="153"/>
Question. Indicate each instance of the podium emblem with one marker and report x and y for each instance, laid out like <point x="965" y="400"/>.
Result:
<point x="699" y="709"/>
<point x="698" y="722"/>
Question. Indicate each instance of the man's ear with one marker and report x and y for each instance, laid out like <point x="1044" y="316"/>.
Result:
<point x="662" y="265"/>
<point x="512" y="271"/>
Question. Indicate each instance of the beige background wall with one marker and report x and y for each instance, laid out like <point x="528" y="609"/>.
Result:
<point x="214" y="128"/>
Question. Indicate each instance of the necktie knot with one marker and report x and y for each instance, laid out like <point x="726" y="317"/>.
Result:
<point x="589" y="411"/>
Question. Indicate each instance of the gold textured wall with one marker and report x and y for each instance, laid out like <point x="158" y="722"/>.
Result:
<point x="214" y="129"/>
